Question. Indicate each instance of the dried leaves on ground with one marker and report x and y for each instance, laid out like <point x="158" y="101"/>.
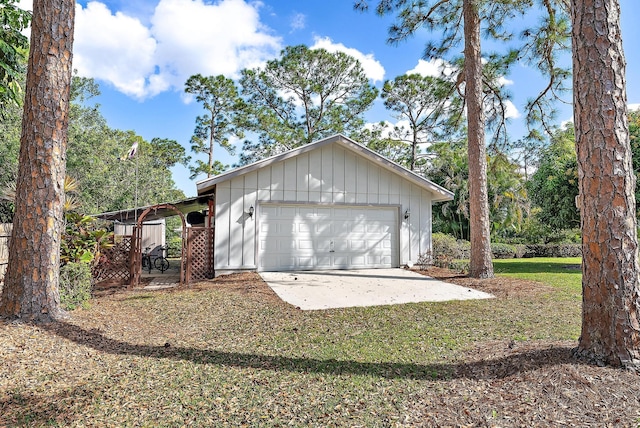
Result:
<point x="229" y="352"/>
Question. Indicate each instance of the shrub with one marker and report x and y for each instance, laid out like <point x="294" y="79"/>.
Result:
<point x="424" y="260"/>
<point x="446" y="249"/>
<point x="75" y="285"/>
<point x="444" y="245"/>
<point x="174" y="246"/>
<point x="461" y="266"/>
<point x="520" y="251"/>
<point x="502" y="251"/>
<point x="554" y="250"/>
<point x="464" y="249"/>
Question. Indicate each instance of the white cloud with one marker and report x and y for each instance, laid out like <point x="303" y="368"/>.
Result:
<point x="633" y="106"/>
<point x="184" y="37"/>
<point x="433" y="68"/>
<point x="114" y="48"/>
<point x="26" y="4"/>
<point x="372" y="67"/>
<point x="511" y="111"/>
<point x="503" y="81"/>
<point x="564" y="123"/>
<point x="298" y="22"/>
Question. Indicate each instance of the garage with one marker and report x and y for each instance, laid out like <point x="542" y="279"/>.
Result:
<point x="327" y="205"/>
<point x="306" y="237"/>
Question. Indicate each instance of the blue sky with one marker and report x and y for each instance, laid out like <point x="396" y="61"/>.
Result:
<point x="142" y="51"/>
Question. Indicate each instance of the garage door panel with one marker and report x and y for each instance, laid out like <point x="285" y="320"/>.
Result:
<point x="325" y="262"/>
<point x="374" y="260"/>
<point x="287" y="212"/>
<point x="357" y="245"/>
<point x="320" y="237"/>
<point x="305" y="244"/>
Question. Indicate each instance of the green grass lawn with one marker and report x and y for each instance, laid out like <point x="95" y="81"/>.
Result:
<point x="220" y="355"/>
<point x="564" y="274"/>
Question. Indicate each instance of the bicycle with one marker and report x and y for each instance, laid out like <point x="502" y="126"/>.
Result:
<point x="161" y="263"/>
<point x="146" y="258"/>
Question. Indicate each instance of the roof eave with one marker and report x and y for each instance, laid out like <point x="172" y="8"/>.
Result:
<point x="440" y="193"/>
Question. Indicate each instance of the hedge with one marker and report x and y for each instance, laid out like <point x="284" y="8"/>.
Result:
<point x="446" y="249"/>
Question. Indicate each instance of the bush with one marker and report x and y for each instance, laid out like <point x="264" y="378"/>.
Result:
<point x="424" y="260"/>
<point x="502" y="251"/>
<point x="174" y="247"/>
<point x="554" y="250"/>
<point x="75" y="285"/>
<point x="520" y="251"/>
<point x="461" y="266"/>
<point x="445" y="245"/>
<point x="446" y="249"/>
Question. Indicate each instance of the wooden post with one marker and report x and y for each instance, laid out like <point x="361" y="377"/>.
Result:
<point x="210" y="231"/>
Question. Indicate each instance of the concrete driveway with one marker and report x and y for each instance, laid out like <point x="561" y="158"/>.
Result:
<point x="328" y="289"/>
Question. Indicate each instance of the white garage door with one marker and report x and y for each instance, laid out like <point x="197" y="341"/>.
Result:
<point x="299" y="237"/>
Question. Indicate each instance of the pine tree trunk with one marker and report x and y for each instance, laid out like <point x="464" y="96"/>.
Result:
<point x="611" y="306"/>
<point x="480" y="265"/>
<point x="31" y="283"/>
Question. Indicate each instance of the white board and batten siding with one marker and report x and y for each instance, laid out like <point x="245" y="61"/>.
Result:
<point x="153" y="235"/>
<point x="325" y="208"/>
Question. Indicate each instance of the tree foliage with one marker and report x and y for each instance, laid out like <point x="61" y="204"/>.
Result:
<point x="507" y="194"/>
<point x="95" y="152"/>
<point x="220" y="99"/>
<point x="13" y="52"/>
<point x="554" y="185"/>
<point x="429" y="106"/>
<point x="305" y="95"/>
<point x="539" y="45"/>
<point x="95" y="159"/>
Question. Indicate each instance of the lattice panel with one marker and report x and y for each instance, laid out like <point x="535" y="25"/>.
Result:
<point x="113" y="266"/>
<point x="199" y="253"/>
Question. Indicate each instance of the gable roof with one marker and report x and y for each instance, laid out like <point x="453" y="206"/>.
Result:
<point x="440" y="193"/>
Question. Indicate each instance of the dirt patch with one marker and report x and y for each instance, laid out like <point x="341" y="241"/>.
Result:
<point x="498" y="286"/>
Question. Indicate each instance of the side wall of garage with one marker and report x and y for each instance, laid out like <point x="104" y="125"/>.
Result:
<point x="330" y="175"/>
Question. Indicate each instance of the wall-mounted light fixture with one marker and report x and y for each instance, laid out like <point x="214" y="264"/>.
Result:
<point x="251" y="211"/>
<point x="407" y="214"/>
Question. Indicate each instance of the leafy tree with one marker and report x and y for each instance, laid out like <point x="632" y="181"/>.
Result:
<point x="449" y="168"/>
<point x="507" y="195"/>
<point x="634" y="139"/>
<point x="31" y="290"/>
<point x="610" y="280"/>
<point x="508" y="198"/>
<point x="377" y="138"/>
<point x="95" y="159"/>
<point x="554" y="185"/>
<point x="301" y="97"/>
<point x="428" y="104"/>
<point x="13" y="52"/>
<point x="219" y="97"/>
<point x="459" y="22"/>
<point x="10" y="123"/>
